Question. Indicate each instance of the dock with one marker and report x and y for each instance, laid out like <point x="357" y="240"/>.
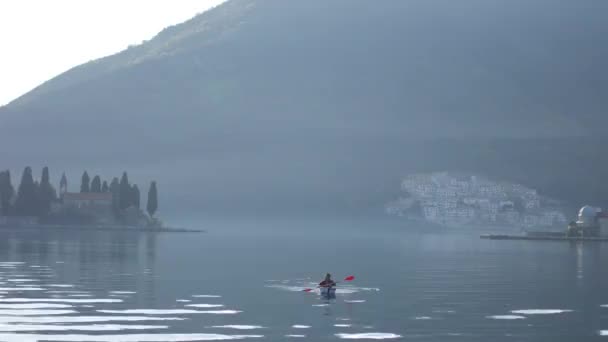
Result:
<point x="548" y="237"/>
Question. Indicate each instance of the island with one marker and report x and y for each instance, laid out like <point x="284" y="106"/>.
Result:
<point x="97" y="205"/>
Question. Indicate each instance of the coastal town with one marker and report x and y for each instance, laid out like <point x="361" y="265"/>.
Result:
<point x="453" y="200"/>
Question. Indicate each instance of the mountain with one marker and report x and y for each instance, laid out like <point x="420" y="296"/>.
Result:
<point x="286" y="105"/>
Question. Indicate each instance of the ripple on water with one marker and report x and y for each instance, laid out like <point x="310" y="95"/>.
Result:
<point x="94" y="327"/>
<point x="540" y="311"/>
<point x="506" y="317"/>
<point x="61" y="285"/>
<point x="60" y="300"/>
<point x="34" y="306"/>
<point x="35" y="312"/>
<point x="83" y="319"/>
<point x="169" y="312"/>
<point x="206" y="296"/>
<point x="295" y="336"/>
<point x="204" y="305"/>
<point x="368" y="336"/>
<point x="123" y="338"/>
<point x="21" y="288"/>
<point x="298" y="326"/>
<point x="239" y="327"/>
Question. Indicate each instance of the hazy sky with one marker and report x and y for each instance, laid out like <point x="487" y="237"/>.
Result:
<point x="42" y="38"/>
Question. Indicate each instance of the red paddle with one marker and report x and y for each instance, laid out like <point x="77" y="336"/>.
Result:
<point x="349" y="278"/>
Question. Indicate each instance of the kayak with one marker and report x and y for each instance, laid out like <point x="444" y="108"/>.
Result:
<point x="327" y="291"/>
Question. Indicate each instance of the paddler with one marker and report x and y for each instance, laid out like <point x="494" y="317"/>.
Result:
<point x="327" y="282"/>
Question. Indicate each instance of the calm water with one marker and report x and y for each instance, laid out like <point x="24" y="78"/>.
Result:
<point x="242" y="281"/>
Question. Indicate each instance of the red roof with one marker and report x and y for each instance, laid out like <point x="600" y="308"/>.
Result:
<point x="87" y="196"/>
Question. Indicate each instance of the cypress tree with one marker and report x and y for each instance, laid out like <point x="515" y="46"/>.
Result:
<point x="85" y="185"/>
<point x="105" y="188"/>
<point x="135" y="196"/>
<point x="37" y="206"/>
<point x="152" y="205"/>
<point x="47" y="193"/>
<point x="96" y="184"/>
<point x="125" y="192"/>
<point x="7" y="192"/>
<point x="26" y="204"/>
<point x="115" y="190"/>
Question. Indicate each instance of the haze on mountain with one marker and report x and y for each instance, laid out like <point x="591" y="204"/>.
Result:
<point x="283" y="106"/>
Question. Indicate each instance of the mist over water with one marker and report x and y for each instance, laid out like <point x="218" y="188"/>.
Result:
<point x="244" y="280"/>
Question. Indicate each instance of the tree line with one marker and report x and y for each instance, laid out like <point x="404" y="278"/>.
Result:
<point x="34" y="198"/>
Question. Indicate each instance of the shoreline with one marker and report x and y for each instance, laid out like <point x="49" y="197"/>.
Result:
<point x="111" y="228"/>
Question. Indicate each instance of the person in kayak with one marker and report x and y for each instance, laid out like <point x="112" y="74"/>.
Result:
<point x="327" y="282"/>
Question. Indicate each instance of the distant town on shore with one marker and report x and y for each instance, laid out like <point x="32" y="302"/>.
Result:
<point x="466" y="200"/>
<point x="37" y="202"/>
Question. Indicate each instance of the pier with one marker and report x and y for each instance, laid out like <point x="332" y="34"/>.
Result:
<point x="540" y="237"/>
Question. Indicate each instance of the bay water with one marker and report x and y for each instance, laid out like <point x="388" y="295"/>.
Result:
<point x="244" y="280"/>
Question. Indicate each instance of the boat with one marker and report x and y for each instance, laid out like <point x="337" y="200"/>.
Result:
<point x="328" y="292"/>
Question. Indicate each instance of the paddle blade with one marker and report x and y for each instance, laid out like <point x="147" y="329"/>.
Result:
<point x="349" y="278"/>
<point x="307" y="290"/>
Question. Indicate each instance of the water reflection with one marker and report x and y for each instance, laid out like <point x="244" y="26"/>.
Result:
<point x="95" y="260"/>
